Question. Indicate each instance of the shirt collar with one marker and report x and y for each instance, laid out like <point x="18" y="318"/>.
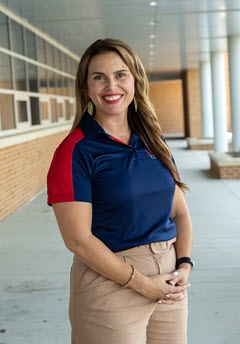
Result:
<point x="90" y="127"/>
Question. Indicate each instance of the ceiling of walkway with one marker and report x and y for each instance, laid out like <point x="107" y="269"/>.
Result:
<point x="168" y="35"/>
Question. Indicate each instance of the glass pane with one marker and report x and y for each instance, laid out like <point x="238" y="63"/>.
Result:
<point x="57" y="58"/>
<point x="43" y="80"/>
<point x="44" y="111"/>
<point x="41" y="50"/>
<point x="68" y="109"/>
<point x="35" y="113"/>
<point x="68" y="64"/>
<point x="52" y="82"/>
<point x="22" y="111"/>
<point x="4" y="38"/>
<point x="65" y="86"/>
<point x="60" y="110"/>
<point x="71" y="87"/>
<point x="30" y="44"/>
<point x="20" y="74"/>
<point x="17" y="37"/>
<point x="49" y="54"/>
<point x="54" y="110"/>
<point x="59" y="85"/>
<point x="5" y="71"/>
<point x="33" y="78"/>
<point x="7" y="118"/>
<point x="63" y="62"/>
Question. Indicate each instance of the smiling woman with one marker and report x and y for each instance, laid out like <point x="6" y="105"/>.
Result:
<point x="110" y="86"/>
<point x="117" y="198"/>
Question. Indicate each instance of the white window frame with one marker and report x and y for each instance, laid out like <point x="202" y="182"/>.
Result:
<point x="22" y="97"/>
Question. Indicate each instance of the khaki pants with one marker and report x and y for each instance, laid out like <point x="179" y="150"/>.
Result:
<point x="102" y="312"/>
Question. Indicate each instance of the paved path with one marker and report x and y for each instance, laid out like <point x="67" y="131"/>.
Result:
<point x="34" y="264"/>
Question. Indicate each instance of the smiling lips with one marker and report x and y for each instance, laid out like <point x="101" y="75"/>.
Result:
<point x="112" y="98"/>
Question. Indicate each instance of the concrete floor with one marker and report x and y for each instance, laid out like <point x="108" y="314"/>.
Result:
<point x="34" y="263"/>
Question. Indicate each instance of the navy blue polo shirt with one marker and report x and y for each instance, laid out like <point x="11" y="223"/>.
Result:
<point x="130" y="190"/>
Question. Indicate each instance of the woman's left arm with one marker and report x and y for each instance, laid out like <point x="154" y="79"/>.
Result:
<point x="183" y="245"/>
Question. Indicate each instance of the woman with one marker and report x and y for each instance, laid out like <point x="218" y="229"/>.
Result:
<point x="119" y="205"/>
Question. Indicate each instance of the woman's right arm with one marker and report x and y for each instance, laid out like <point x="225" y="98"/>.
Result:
<point x="74" y="221"/>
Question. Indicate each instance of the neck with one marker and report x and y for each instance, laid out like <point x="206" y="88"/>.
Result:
<point x="116" y="127"/>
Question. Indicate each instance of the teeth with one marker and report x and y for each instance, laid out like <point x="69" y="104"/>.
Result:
<point x="112" y="97"/>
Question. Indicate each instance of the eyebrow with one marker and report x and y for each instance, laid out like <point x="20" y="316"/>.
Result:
<point x="118" y="71"/>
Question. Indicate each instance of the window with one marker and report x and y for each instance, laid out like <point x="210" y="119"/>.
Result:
<point x="43" y="79"/>
<point x="49" y="54"/>
<point x="35" y="111"/>
<point x="33" y="78"/>
<point x="22" y="111"/>
<point x="5" y="71"/>
<point x="54" y="110"/>
<point x="57" y="58"/>
<point x="4" y="37"/>
<point x="17" y="37"/>
<point x="30" y="45"/>
<point x="33" y="88"/>
<point x="52" y="82"/>
<point x="41" y="50"/>
<point x="20" y="74"/>
<point x="45" y="111"/>
<point x="7" y="118"/>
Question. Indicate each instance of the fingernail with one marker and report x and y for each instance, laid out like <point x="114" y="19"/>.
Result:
<point x="175" y="273"/>
<point x="159" y="302"/>
<point x="167" y="295"/>
<point x="171" y="282"/>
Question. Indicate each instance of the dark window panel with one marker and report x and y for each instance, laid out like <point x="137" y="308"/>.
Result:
<point x="4" y="37"/>
<point x="22" y="111"/>
<point x="5" y="71"/>
<point x="35" y="111"/>
<point x="20" y="74"/>
<point x="17" y="37"/>
<point x="30" y="45"/>
<point x="33" y="78"/>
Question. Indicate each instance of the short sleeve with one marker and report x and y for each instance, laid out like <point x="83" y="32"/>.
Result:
<point x="69" y="177"/>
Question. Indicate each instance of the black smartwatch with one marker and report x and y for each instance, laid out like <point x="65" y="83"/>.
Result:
<point x="187" y="260"/>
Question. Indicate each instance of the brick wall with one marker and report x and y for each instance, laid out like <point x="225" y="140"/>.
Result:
<point x="192" y="107"/>
<point x="168" y="101"/>
<point x="225" y="172"/>
<point x="23" y="170"/>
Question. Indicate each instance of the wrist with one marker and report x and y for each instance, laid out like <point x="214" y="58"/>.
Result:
<point x="185" y="266"/>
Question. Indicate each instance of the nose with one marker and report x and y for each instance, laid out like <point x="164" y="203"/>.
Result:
<point x="111" y="83"/>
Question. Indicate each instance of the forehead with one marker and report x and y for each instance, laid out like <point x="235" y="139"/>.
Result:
<point x="106" y="61"/>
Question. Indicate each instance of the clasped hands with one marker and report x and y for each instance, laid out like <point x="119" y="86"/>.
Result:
<point x="173" y="286"/>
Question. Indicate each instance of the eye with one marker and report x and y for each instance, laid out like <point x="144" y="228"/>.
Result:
<point x="99" y="77"/>
<point x="121" y="75"/>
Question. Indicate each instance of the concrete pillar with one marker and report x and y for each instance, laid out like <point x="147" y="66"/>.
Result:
<point x="206" y="99"/>
<point x="219" y="101"/>
<point x="234" y="76"/>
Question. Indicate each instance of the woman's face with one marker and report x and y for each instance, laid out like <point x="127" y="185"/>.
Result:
<point x="110" y="84"/>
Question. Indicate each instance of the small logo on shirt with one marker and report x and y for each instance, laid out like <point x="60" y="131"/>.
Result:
<point x="150" y="154"/>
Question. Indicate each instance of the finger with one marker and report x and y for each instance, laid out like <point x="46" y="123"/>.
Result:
<point x="176" y="296"/>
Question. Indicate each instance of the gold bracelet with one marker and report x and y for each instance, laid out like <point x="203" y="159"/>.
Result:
<point x="130" y="279"/>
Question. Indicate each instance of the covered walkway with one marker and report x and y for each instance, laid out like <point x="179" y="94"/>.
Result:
<point x="35" y="264"/>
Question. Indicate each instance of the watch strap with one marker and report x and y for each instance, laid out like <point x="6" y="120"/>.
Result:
<point x="187" y="260"/>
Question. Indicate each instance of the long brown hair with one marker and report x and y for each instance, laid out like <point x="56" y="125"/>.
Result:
<point x="144" y="122"/>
